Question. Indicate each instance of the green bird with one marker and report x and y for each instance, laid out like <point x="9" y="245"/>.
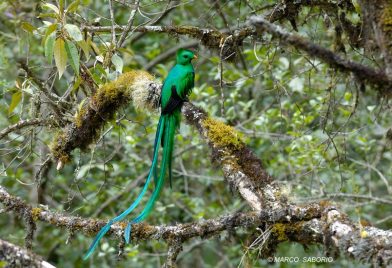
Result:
<point x="176" y="88"/>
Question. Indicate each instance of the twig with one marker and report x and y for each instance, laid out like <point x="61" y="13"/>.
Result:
<point x="382" y="177"/>
<point x="113" y="23"/>
<point x="129" y="25"/>
<point x="167" y="54"/>
<point x="209" y="37"/>
<point x="368" y="197"/>
<point x="169" y="7"/>
<point x="37" y="177"/>
<point x="117" y="196"/>
<point x="175" y="247"/>
<point x="362" y="72"/>
<point x="24" y="123"/>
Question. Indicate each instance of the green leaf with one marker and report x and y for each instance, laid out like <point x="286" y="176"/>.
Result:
<point x="47" y="15"/>
<point x="347" y="96"/>
<point x="73" y="6"/>
<point x="73" y="56"/>
<point x="60" y="56"/>
<point x="28" y="27"/>
<point x="51" y="29"/>
<point x="118" y="63"/>
<point x="16" y="97"/>
<point x="49" y="46"/>
<point x="74" y="32"/>
<point x="85" y="47"/>
<point x="76" y="84"/>
<point x="52" y="7"/>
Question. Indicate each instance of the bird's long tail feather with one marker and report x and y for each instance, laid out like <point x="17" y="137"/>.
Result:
<point x="169" y="131"/>
<point x="160" y="132"/>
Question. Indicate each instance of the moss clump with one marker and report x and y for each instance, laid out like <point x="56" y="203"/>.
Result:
<point x="279" y="230"/>
<point x="364" y="234"/>
<point x="145" y="230"/>
<point x="117" y="92"/>
<point x="58" y="147"/>
<point x="35" y="213"/>
<point x="123" y="224"/>
<point x="386" y="18"/>
<point x="94" y="113"/>
<point x="79" y="116"/>
<point x="222" y="135"/>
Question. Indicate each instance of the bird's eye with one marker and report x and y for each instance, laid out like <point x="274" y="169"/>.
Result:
<point x="186" y="56"/>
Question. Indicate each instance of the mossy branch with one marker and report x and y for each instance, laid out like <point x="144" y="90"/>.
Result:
<point x="241" y="168"/>
<point x="15" y="256"/>
<point x="96" y="111"/>
<point x="143" y="231"/>
<point x="312" y="223"/>
<point x="210" y="38"/>
<point x="307" y="224"/>
<point x="362" y="73"/>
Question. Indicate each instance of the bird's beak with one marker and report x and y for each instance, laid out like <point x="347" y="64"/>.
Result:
<point x="195" y="57"/>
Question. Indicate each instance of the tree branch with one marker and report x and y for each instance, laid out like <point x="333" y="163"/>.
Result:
<point x="311" y="223"/>
<point x="15" y="256"/>
<point x="129" y="25"/>
<point x="24" y="123"/>
<point x="142" y="231"/>
<point x="377" y="21"/>
<point x="213" y="39"/>
<point x="208" y="37"/>
<point x="361" y="72"/>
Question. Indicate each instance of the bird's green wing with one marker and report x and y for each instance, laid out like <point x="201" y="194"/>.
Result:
<point x="185" y="85"/>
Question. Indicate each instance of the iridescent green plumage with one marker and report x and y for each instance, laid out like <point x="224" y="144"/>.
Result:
<point x="176" y="88"/>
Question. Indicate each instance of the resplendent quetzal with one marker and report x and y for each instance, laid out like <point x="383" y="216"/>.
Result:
<point x="175" y="90"/>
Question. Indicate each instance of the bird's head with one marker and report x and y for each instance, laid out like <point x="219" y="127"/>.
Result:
<point x="185" y="56"/>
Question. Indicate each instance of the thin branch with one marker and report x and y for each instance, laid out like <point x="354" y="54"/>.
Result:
<point x="24" y="123"/>
<point x="175" y="247"/>
<point x="382" y="177"/>
<point x="169" y="7"/>
<point x="167" y="54"/>
<point x="376" y="25"/>
<point x="129" y="25"/>
<point x="362" y="72"/>
<point x="209" y="37"/>
<point x="113" y="22"/>
<point x="353" y="196"/>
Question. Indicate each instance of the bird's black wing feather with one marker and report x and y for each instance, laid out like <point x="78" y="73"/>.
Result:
<point x="175" y="101"/>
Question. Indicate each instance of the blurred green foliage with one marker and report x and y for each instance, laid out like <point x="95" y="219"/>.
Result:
<point x="314" y="129"/>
